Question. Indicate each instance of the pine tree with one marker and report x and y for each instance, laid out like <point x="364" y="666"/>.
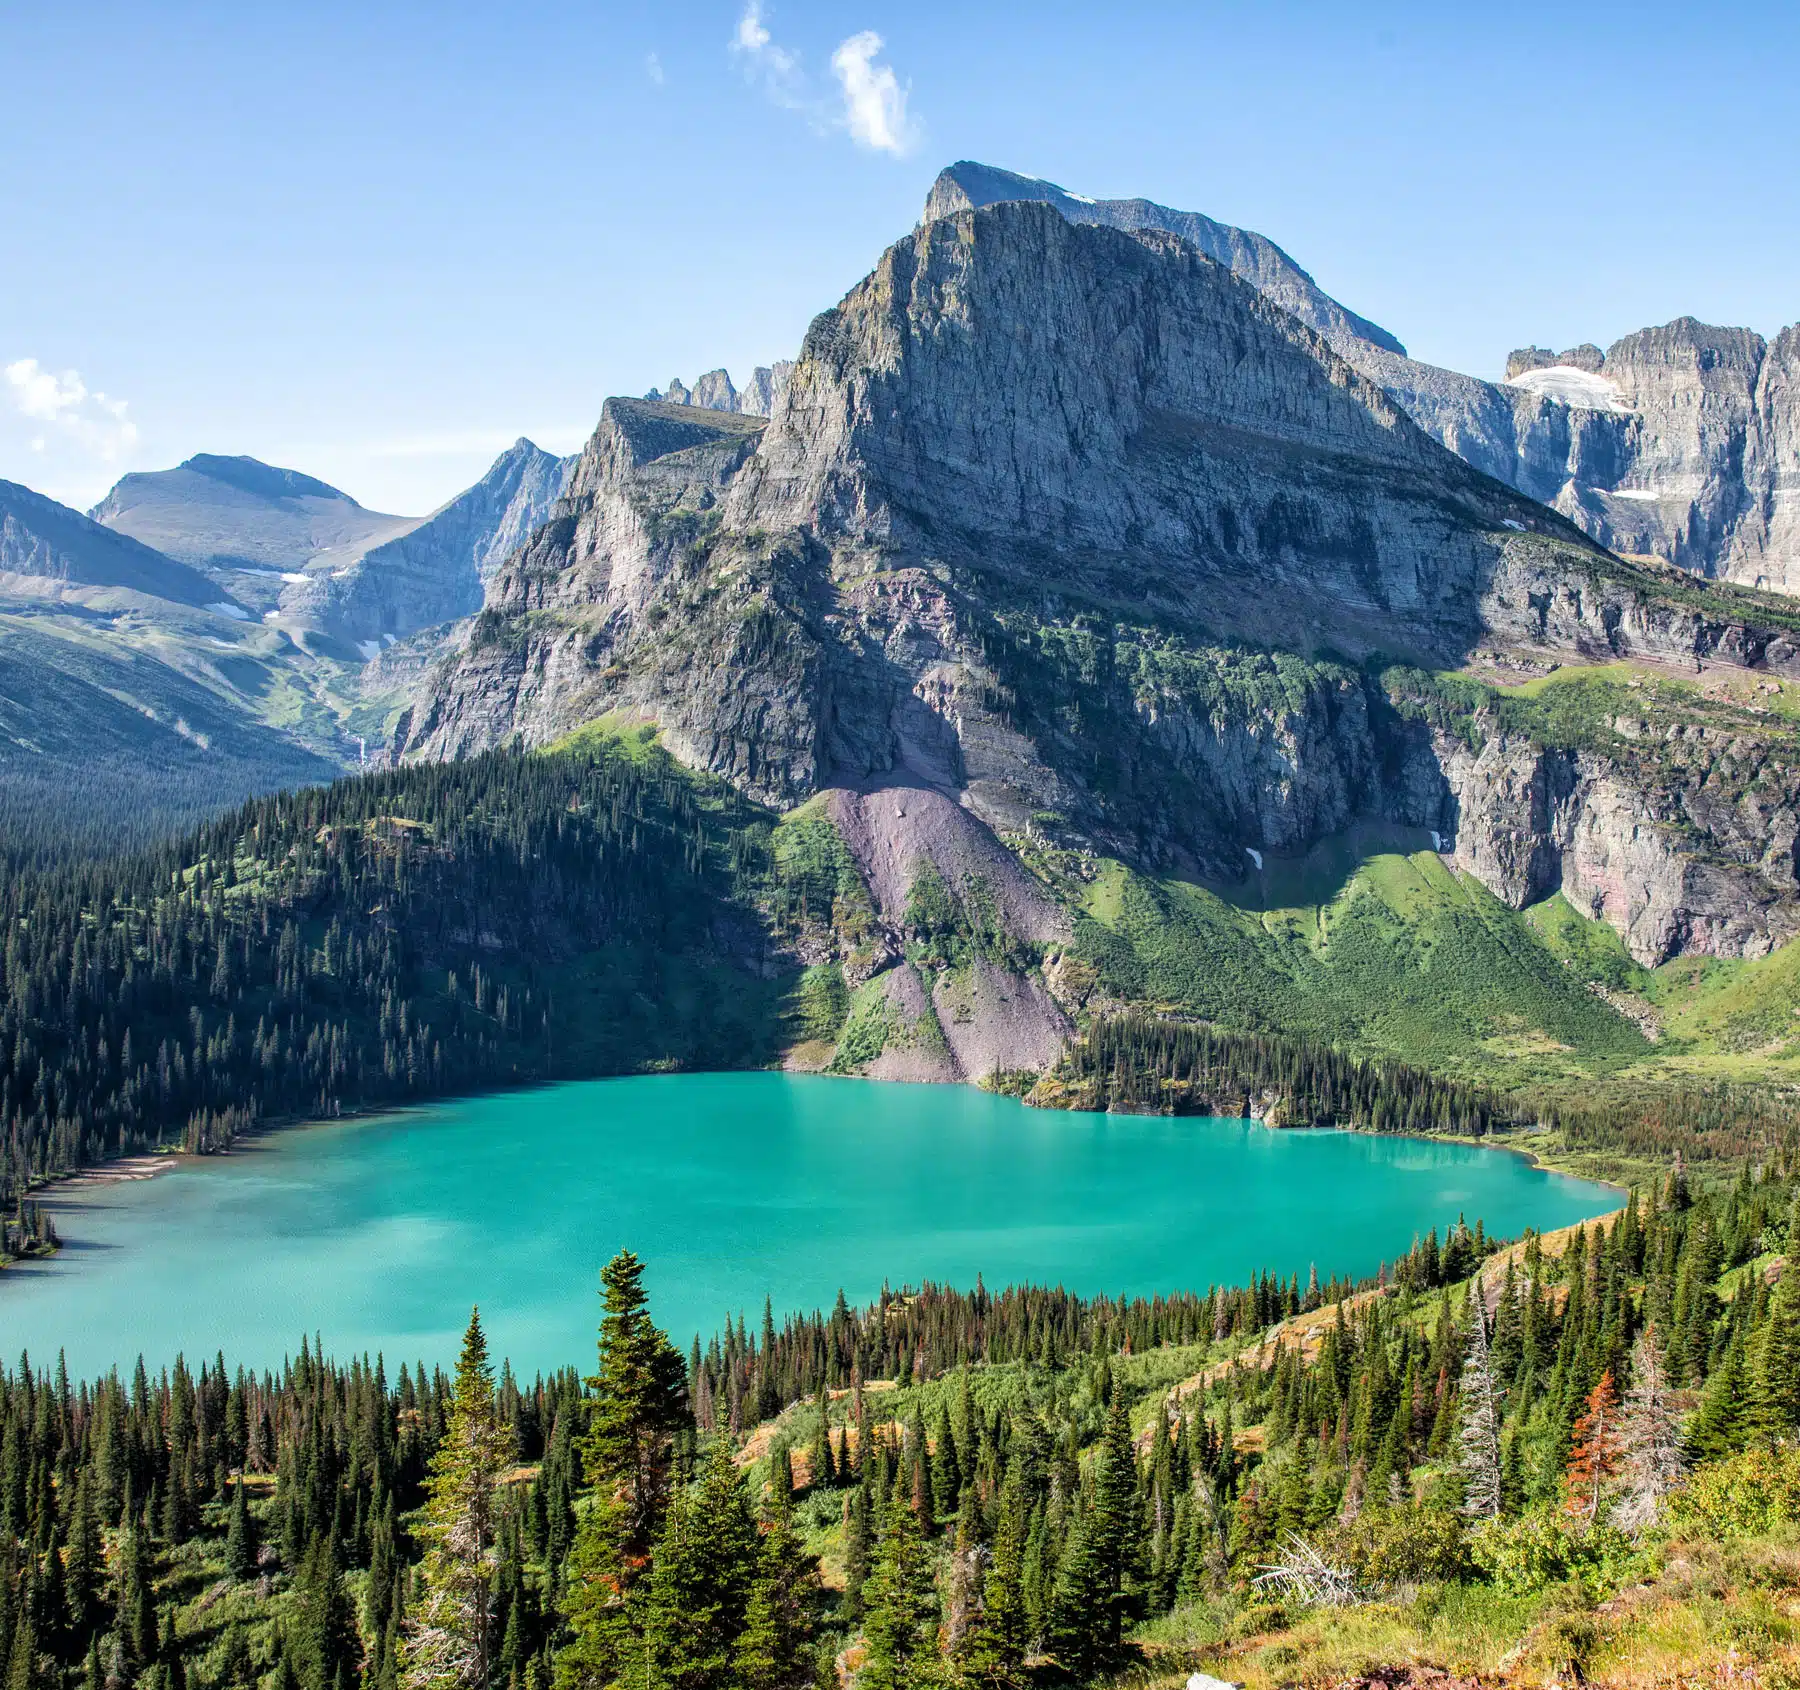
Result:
<point x="1717" y="1425"/>
<point x="1478" y="1428"/>
<point x="774" y="1650"/>
<point x="1773" y="1409"/>
<point x="85" y="1570"/>
<point x="322" y="1645"/>
<point x="240" y="1537"/>
<point x="450" y="1642"/>
<point x="900" y="1623"/>
<point x="688" y="1612"/>
<point x="639" y="1405"/>
<point x="858" y="1543"/>
<point x="1098" y="1585"/>
<point x="997" y="1646"/>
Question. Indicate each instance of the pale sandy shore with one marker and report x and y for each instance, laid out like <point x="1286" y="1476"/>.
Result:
<point x="117" y="1172"/>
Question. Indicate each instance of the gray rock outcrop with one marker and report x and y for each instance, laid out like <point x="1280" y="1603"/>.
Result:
<point x="1079" y="531"/>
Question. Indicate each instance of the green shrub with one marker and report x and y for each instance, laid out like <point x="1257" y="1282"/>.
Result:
<point x="1389" y="1546"/>
<point x="1749" y="1495"/>
<point x="1546" y="1547"/>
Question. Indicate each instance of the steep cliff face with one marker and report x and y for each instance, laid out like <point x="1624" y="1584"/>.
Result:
<point x="1764" y="547"/>
<point x="1695" y="859"/>
<point x="1668" y="445"/>
<point x="1676" y="443"/>
<point x="1080" y="532"/>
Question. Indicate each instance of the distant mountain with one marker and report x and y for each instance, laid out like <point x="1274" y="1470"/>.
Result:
<point x="1257" y="259"/>
<point x="438" y="570"/>
<point x="714" y="392"/>
<point x="240" y="516"/>
<point x="47" y="547"/>
<point x="1679" y="443"/>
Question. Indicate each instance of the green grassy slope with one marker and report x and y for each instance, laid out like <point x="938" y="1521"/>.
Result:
<point x="1388" y="952"/>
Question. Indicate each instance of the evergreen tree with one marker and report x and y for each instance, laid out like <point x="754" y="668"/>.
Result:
<point x="322" y="1645"/>
<point x="450" y="1642"/>
<point x="240" y="1537"/>
<point x="774" y="1650"/>
<point x="688" y="1613"/>
<point x="1098" y="1587"/>
<point x="900" y="1621"/>
<point x="997" y="1647"/>
<point x="639" y="1405"/>
<point x="858" y="1544"/>
<point x="1773" y="1409"/>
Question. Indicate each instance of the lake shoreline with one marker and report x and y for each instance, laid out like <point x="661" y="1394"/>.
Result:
<point x="141" y="1165"/>
<point x="733" y="1187"/>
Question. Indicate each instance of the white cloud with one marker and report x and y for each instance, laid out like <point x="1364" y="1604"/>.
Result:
<point x="775" y="67"/>
<point x="874" y="102"/>
<point x="64" y="403"/>
<point x="871" y="102"/>
<point x="654" y="70"/>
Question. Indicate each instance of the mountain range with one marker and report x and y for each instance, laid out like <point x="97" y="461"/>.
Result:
<point x="1095" y="586"/>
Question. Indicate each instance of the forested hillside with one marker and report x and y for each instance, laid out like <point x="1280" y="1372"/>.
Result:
<point x="1591" y="1459"/>
<point x="400" y="935"/>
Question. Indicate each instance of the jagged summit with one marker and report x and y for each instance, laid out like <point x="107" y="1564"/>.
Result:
<point x="1257" y="259"/>
<point x="714" y="390"/>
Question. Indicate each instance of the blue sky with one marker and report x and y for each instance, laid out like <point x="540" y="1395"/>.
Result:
<point x="377" y="242"/>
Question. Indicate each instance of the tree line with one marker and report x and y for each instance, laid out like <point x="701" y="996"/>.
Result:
<point x="1153" y="1063"/>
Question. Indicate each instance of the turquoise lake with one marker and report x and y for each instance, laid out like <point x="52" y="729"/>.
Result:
<point x="379" y="1234"/>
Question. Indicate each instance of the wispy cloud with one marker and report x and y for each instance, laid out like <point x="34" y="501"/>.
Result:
<point x="775" y="67"/>
<point x="874" y="102"/>
<point x="870" y="103"/>
<point x="67" y="409"/>
<point x="653" y="68"/>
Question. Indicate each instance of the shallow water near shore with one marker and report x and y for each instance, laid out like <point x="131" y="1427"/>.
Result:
<point x="379" y="1234"/>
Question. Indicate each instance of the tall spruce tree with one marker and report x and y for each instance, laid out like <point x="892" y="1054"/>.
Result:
<point x="1099" y="1583"/>
<point x="639" y="1404"/>
<point x="687" y="1615"/>
<point x="449" y="1642"/>
<point x="900" y="1607"/>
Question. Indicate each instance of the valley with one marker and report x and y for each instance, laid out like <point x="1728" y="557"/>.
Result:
<point x="1100" y="775"/>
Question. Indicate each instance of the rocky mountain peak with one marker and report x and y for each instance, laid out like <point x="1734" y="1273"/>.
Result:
<point x="1586" y="357"/>
<point x="714" y="391"/>
<point x="967" y="185"/>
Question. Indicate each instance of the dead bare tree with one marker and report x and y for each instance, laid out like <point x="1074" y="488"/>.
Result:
<point x="1478" y="1419"/>
<point x="1652" y="1465"/>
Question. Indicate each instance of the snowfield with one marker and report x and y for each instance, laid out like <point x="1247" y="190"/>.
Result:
<point x="1575" y="388"/>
